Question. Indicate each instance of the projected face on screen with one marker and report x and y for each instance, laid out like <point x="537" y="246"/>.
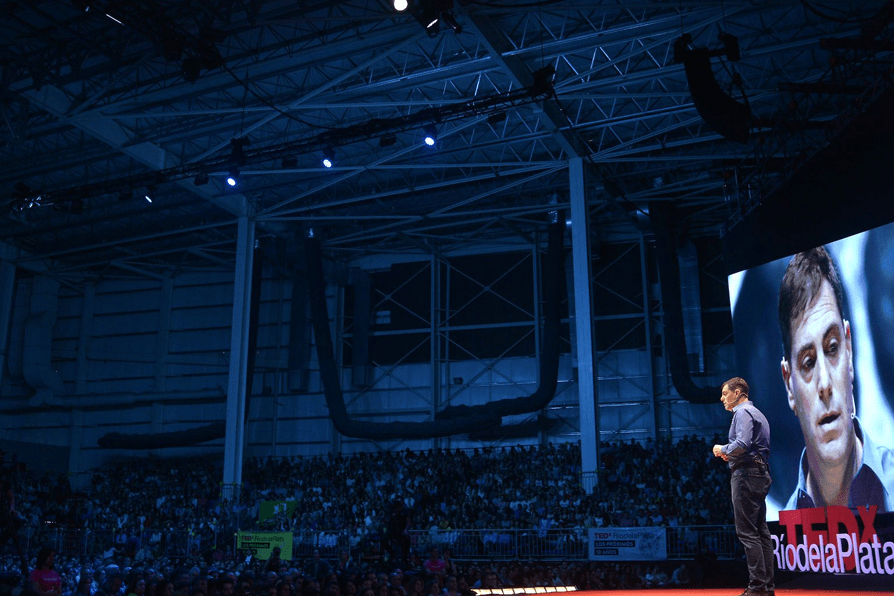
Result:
<point x="817" y="369"/>
<point x="815" y="338"/>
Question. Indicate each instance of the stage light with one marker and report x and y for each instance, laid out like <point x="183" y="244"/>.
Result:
<point x="431" y="134"/>
<point x="191" y="68"/>
<point x="233" y="177"/>
<point x="201" y="179"/>
<point x="149" y="195"/>
<point x="400" y="5"/>
<point x="328" y="157"/>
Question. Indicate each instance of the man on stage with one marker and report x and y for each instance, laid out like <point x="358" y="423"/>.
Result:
<point x="748" y="452"/>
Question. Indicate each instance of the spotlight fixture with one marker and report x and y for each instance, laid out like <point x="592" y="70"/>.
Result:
<point x="191" y="68"/>
<point x="431" y="13"/>
<point x="400" y="5"/>
<point x="431" y="134"/>
<point x="496" y="118"/>
<point x="201" y="179"/>
<point x="149" y="195"/>
<point x="450" y="20"/>
<point x="233" y="177"/>
<point x="328" y="157"/>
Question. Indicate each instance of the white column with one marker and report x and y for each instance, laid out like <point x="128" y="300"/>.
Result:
<point x="234" y="440"/>
<point x="583" y="320"/>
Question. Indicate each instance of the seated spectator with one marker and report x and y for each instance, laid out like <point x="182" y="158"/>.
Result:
<point x="434" y="564"/>
<point x="680" y="576"/>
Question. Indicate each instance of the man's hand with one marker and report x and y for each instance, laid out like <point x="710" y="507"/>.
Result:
<point x="717" y="451"/>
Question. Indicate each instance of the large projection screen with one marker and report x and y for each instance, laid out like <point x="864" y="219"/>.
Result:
<point x="865" y="265"/>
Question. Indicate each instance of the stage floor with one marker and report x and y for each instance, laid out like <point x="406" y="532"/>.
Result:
<point x="727" y="592"/>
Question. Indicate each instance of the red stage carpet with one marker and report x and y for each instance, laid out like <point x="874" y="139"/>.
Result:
<point x="726" y="592"/>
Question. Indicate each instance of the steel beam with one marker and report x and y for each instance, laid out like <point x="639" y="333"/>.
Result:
<point x="234" y="440"/>
<point x="586" y="370"/>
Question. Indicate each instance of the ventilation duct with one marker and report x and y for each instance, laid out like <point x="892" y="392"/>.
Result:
<point x="37" y="361"/>
<point x="663" y="222"/>
<point x="207" y="432"/>
<point x="344" y="424"/>
<point x="299" y="337"/>
<point x="691" y="303"/>
<point x="553" y="272"/>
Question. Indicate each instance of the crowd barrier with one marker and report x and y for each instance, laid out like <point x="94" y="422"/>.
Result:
<point x="683" y="542"/>
<point x="75" y="542"/>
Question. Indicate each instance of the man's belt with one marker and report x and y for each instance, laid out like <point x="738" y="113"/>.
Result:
<point x="750" y="463"/>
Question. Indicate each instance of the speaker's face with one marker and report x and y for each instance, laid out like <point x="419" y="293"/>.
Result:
<point x="820" y="382"/>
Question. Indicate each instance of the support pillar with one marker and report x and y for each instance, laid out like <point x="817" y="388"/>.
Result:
<point x="75" y="438"/>
<point x="234" y="440"/>
<point x="158" y="424"/>
<point x="164" y="333"/>
<point x="435" y="346"/>
<point x="647" y="313"/>
<point x="7" y="295"/>
<point x="583" y="320"/>
<point x="85" y="334"/>
<point x="336" y="331"/>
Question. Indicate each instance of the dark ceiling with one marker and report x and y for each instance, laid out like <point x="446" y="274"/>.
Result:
<point x="101" y="107"/>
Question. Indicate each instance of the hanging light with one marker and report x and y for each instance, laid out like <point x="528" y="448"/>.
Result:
<point x="328" y="157"/>
<point x="431" y="134"/>
<point x="233" y="177"/>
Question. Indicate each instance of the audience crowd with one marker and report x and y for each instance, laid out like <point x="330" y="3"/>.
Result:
<point x="138" y="507"/>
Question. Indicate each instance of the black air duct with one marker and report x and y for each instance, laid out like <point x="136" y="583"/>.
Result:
<point x="207" y="432"/>
<point x="344" y="424"/>
<point x="553" y="273"/>
<point x="663" y="225"/>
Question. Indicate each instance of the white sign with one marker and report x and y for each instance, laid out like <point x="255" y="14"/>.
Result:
<point x="627" y="544"/>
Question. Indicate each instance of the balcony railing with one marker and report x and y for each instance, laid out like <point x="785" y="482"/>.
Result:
<point x="558" y="544"/>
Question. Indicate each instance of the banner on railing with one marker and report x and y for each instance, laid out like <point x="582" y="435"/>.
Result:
<point x="276" y="510"/>
<point x="261" y="544"/>
<point x="627" y="544"/>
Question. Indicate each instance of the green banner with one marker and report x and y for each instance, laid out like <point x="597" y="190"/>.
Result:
<point x="274" y="509"/>
<point x="261" y="544"/>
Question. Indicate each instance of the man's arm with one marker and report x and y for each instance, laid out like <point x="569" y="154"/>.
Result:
<point x="743" y="428"/>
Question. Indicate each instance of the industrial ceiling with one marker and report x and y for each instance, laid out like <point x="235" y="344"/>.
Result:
<point x="107" y="105"/>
